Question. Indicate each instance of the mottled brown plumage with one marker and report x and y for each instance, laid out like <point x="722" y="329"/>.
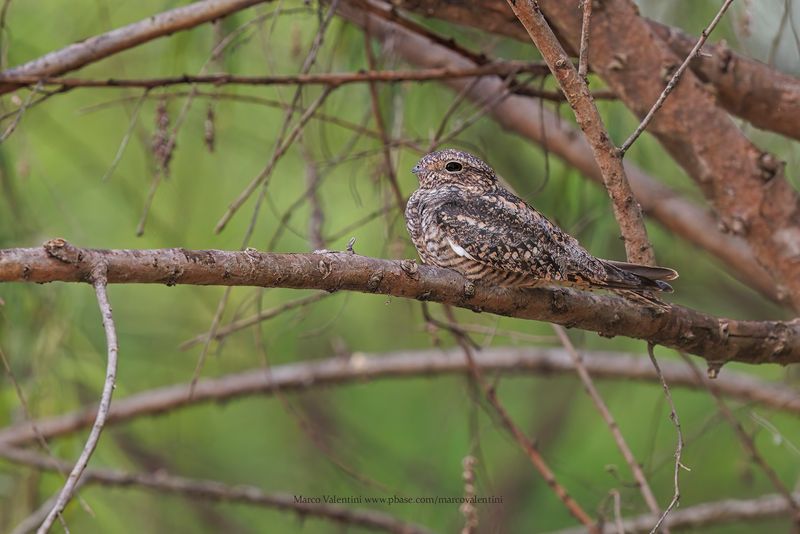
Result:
<point x="461" y="218"/>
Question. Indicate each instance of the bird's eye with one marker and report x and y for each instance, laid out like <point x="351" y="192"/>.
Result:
<point x="453" y="166"/>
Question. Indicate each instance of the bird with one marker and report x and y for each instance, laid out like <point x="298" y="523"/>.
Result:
<point x="462" y="218"/>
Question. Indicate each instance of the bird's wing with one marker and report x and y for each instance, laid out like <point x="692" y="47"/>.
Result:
<point x="504" y="233"/>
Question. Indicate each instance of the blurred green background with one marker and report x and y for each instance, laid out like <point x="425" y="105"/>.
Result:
<point x="409" y="435"/>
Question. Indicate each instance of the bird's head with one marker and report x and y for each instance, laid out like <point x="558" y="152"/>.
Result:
<point x="454" y="167"/>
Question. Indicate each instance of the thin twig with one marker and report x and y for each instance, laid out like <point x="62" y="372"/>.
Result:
<point x="125" y="138"/>
<point x="207" y="338"/>
<point x="36" y="517"/>
<point x="747" y="441"/>
<point x="583" y="56"/>
<point x="619" y="439"/>
<point x="617" y="497"/>
<point x="334" y="79"/>
<point x="21" y="111"/>
<point x="99" y="280"/>
<point x="391" y="173"/>
<point x="673" y="415"/>
<point x="316" y="219"/>
<point x="674" y="80"/>
<point x="263" y="315"/>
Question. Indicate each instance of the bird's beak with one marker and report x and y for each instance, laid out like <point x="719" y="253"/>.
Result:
<point x="416" y="169"/>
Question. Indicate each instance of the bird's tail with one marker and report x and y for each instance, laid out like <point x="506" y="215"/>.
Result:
<point x="623" y="275"/>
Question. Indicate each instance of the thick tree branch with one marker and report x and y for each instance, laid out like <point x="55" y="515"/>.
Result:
<point x="360" y="367"/>
<point x="100" y="46"/>
<point x="527" y="118"/>
<point x="718" y="340"/>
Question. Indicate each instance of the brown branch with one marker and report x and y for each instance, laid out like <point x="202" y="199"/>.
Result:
<point x="728" y="511"/>
<point x="626" y="210"/>
<point x="718" y="340"/>
<point x="98" y="47"/>
<point x="360" y="367"/>
<point x="215" y="491"/>
<point x="330" y="79"/>
<point x="527" y="118"/>
<point x="98" y="276"/>
<point x="674" y="80"/>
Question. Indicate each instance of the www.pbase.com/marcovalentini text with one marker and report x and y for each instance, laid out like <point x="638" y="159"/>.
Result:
<point x="336" y="499"/>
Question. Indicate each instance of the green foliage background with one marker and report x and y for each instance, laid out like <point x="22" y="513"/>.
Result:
<point x="409" y="435"/>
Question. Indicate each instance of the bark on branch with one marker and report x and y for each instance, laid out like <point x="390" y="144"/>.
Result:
<point x="718" y="340"/>
<point x="100" y="46"/>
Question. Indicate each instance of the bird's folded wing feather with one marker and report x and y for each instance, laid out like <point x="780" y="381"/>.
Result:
<point x="506" y="234"/>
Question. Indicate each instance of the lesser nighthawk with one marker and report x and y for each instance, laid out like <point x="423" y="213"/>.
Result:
<point x="461" y="218"/>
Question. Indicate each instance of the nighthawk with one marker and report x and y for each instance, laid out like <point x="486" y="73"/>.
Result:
<point x="462" y="219"/>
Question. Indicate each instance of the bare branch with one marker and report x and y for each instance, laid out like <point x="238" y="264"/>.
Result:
<point x="218" y="492"/>
<point x="99" y="280"/>
<point x="583" y="54"/>
<point x="265" y="173"/>
<point x="716" y="339"/>
<point x="98" y="47"/>
<point x="329" y="79"/>
<point x="359" y="367"/>
<point x="528" y="445"/>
